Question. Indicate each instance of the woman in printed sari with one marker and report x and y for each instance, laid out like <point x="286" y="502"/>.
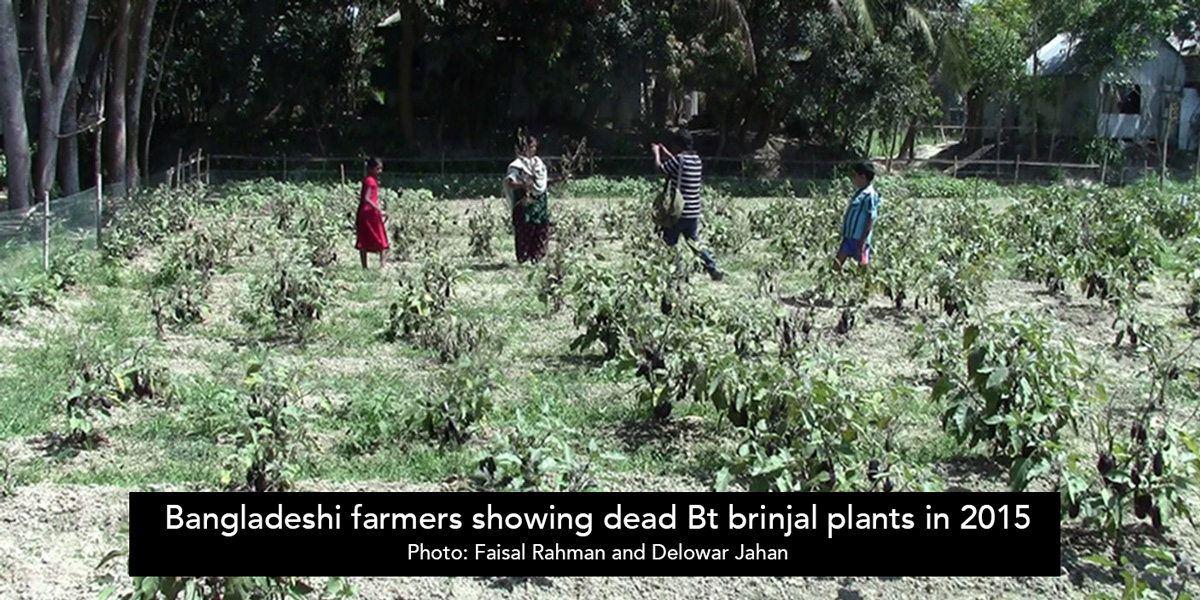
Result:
<point x="525" y="185"/>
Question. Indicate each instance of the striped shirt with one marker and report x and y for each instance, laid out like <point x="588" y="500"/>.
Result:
<point x="863" y="207"/>
<point x="692" y="170"/>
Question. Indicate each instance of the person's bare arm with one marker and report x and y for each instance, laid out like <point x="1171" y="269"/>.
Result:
<point x="659" y="151"/>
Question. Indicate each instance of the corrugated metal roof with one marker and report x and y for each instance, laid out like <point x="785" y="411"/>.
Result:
<point x="1056" y="58"/>
<point x="1186" y="47"/>
<point x="392" y="19"/>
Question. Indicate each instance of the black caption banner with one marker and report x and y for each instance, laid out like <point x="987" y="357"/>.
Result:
<point x="593" y="534"/>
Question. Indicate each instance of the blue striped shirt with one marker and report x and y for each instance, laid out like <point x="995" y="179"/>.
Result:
<point x="863" y="207"/>
<point x="689" y="181"/>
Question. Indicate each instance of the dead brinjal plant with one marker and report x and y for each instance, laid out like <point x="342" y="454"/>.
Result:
<point x="99" y="383"/>
<point x="273" y="440"/>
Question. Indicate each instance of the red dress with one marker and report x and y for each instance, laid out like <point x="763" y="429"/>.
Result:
<point x="371" y="234"/>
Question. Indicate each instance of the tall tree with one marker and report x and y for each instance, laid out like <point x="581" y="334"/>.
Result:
<point x="12" y="110"/>
<point x="158" y="79"/>
<point x="409" y="15"/>
<point x="137" y="84"/>
<point x="115" y="126"/>
<point x="68" y="147"/>
<point x="986" y="59"/>
<point x="57" y="50"/>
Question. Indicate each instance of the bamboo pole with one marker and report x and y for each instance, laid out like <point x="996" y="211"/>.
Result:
<point x="1196" y="171"/>
<point x="1166" y="145"/>
<point x="999" y="146"/>
<point x="46" y="231"/>
<point x="99" y="196"/>
<point x="891" y="150"/>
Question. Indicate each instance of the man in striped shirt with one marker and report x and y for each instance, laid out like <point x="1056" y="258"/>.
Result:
<point x="687" y="162"/>
<point x="859" y="222"/>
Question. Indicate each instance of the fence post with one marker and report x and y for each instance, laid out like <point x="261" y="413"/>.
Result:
<point x="285" y="168"/>
<point x="1017" y="171"/>
<point x="179" y="168"/>
<point x="99" y="195"/>
<point x="343" y="168"/>
<point x="956" y="166"/>
<point x="46" y="231"/>
<point x="1104" y="169"/>
<point x="1162" y="173"/>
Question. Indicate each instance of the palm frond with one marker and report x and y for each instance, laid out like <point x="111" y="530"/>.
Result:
<point x="916" y="20"/>
<point x="730" y="14"/>
<point x="857" y="16"/>
<point x="955" y="62"/>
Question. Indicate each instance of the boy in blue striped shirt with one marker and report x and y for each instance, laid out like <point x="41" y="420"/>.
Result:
<point x="859" y="222"/>
<point x="688" y="169"/>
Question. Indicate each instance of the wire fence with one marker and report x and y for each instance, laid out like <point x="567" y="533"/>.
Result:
<point x="34" y="236"/>
<point x="77" y="221"/>
<point x="432" y="173"/>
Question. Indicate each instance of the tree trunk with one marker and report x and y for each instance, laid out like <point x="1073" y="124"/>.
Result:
<point x="744" y="125"/>
<point x="1035" y="101"/>
<point x="658" y="99"/>
<point x="1062" y="95"/>
<point x="723" y="124"/>
<point x="12" y="111"/>
<point x="974" y="120"/>
<point x="68" y="148"/>
<point x="765" y="129"/>
<point x="115" y="105"/>
<point x="55" y="74"/>
<point x="408" y="45"/>
<point x="908" y="148"/>
<point x="137" y="84"/>
<point x="152" y="104"/>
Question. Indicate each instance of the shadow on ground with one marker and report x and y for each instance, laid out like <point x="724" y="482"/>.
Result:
<point x="509" y="584"/>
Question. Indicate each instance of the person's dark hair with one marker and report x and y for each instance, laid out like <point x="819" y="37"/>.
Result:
<point x="524" y="142"/>
<point x="374" y="162"/>
<point x="683" y="137"/>
<point x="866" y="169"/>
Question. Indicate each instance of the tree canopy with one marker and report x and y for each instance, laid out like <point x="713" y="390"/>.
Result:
<point x="426" y="77"/>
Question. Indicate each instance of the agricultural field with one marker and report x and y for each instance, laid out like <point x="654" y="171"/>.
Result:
<point x="226" y="338"/>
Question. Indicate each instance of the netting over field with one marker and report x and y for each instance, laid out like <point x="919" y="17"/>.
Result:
<point x="73" y="224"/>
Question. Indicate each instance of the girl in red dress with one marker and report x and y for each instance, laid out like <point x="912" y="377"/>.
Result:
<point x="371" y="234"/>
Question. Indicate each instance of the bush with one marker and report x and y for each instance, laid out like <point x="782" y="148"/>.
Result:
<point x="1007" y="383"/>
<point x="804" y="428"/>
<point x="272" y="441"/>
<point x="539" y="456"/>
<point x="99" y="382"/>
<point x="294" y="296"/>
<point x="416" y="223"/>
<point x="464" y="397"/>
